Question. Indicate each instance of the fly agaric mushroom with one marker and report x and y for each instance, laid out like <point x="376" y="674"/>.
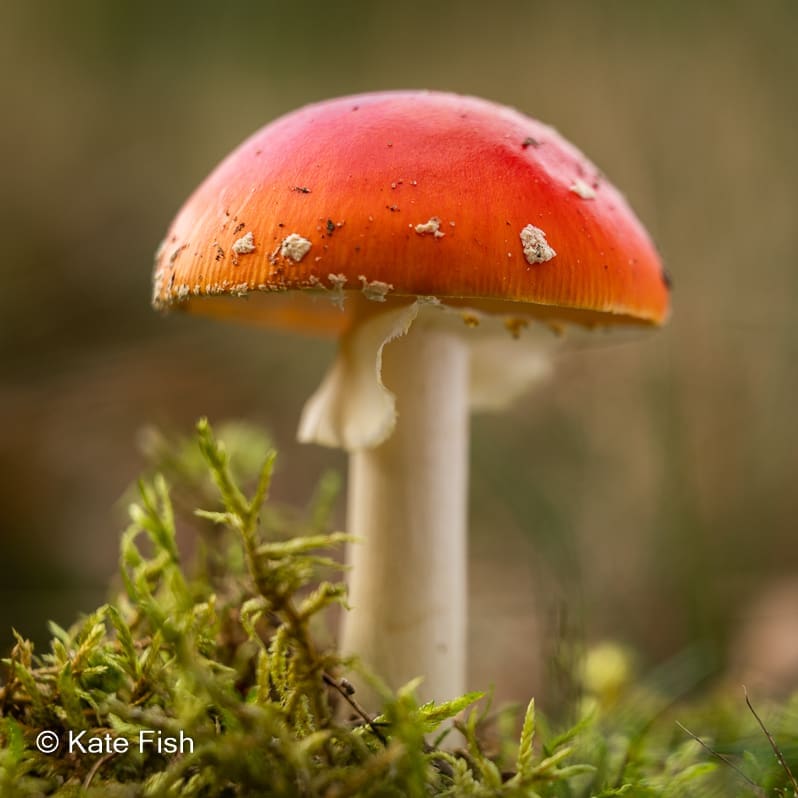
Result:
<point x="448" y="242"/>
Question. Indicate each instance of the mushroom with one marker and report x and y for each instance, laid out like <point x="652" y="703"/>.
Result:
<point x="449" y="243"/>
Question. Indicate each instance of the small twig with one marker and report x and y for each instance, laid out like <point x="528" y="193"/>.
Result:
<point x="346" y="694"/>
<point x="345" y="690"/>
<point x="95" y="767"/>
<point x="726" y="761"/>
<point x="776" y="750"/>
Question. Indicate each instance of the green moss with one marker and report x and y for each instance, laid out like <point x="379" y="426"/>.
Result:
<point x="209" y="679"/>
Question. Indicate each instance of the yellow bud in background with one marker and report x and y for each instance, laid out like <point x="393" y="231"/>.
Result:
<point x="607" y="669"/>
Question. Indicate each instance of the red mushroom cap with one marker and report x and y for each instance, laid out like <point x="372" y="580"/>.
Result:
<point x="410" y="194"/>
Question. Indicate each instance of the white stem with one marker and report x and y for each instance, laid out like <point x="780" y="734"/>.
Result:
<point x="407" y="504"/>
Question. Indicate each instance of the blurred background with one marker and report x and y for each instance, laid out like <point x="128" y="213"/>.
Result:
<point x="645" y="495"/>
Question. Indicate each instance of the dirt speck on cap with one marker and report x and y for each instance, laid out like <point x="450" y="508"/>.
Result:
<point x="157" y="287"/>
<point x="582" y="189"/>
<point x="294" y="246"/>
<point x="173" y="257"/>
<point x="470" y="319"/>
<point x="374" y="290"/>
<point x="431" y="227"/>
<point x="337" y="281"/>
<point x="514" y="326"/>
<point x="244" y="245"/>
<point x="536" y="248"/>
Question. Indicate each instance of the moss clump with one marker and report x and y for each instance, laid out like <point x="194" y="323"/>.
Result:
<point x="210" y="680"/>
